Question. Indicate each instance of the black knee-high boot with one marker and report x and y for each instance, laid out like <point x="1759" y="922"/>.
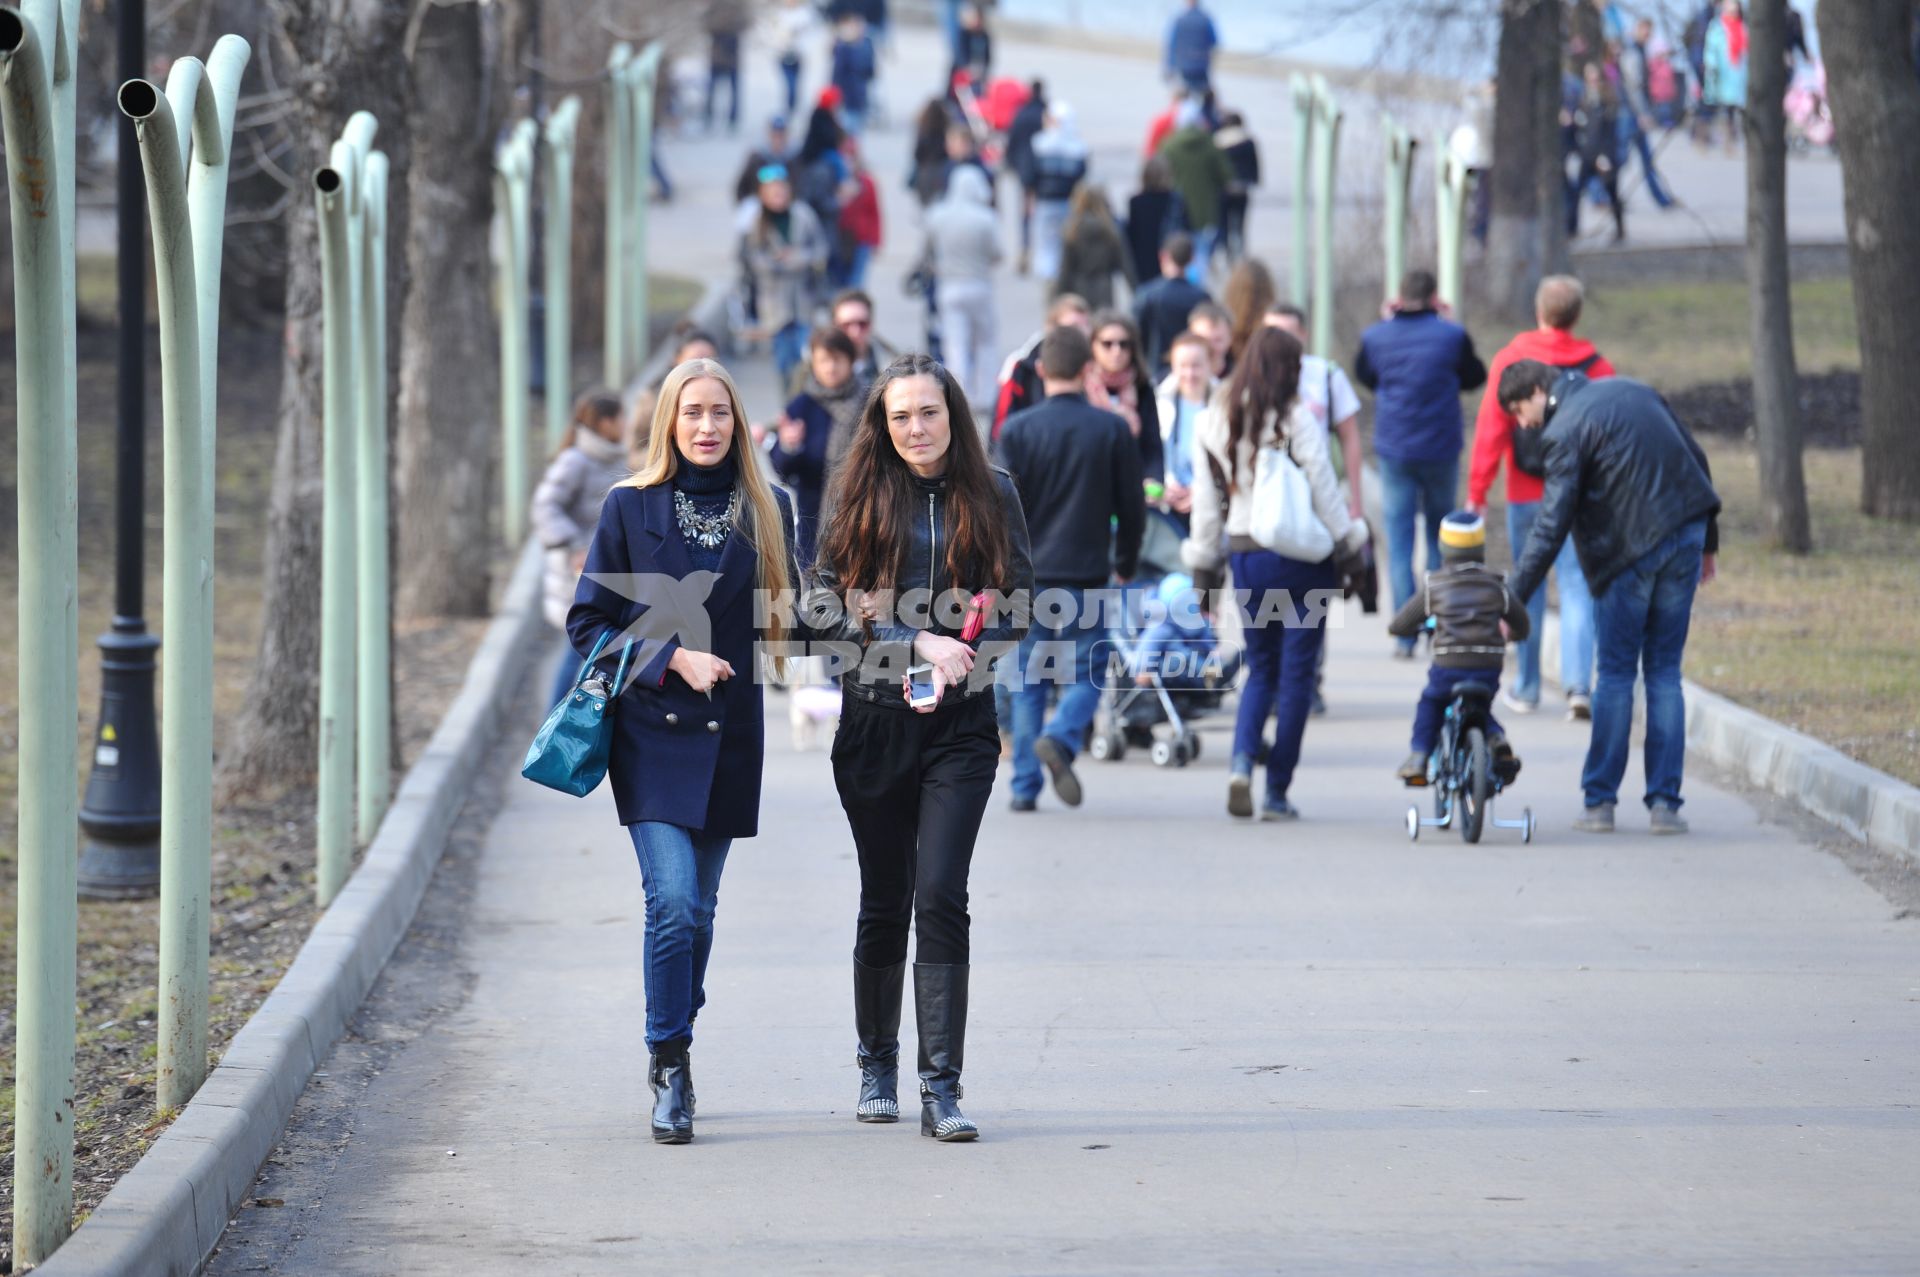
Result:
<point x="876" y="1018"/>
<point x="940" y="1007"/>
<point x="667" y="1074"/>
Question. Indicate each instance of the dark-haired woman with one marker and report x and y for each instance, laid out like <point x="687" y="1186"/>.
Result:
<point x="1286" y="598"/>
<point x="1117" y="381"/>
<point x="921" y="525"/>
<point x="688" y="731"/>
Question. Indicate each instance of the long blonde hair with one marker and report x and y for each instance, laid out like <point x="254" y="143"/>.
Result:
<point x="663" y="461"/>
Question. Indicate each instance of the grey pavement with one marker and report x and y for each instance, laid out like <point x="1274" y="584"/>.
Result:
<point x="1196" y="1045"/>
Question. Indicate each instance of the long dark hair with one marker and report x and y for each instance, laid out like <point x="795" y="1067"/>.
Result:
<point x="1113" y="317"/>
<point x="874" y="504"/>
<point x="1263" y="385"/>
<point x="823" y="135"/>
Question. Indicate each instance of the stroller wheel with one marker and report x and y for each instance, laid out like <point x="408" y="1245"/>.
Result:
<point x="1107" y="747"/>
<point x="1163" y="753"/>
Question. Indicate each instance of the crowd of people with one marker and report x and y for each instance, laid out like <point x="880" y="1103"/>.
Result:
<point x="961" y="545"/>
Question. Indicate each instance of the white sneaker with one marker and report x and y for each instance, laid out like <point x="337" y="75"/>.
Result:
<point x="1579" y="707"/>
<point x="1517" y="706"/>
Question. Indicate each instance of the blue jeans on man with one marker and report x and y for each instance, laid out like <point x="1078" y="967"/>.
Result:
<point x="1576" y="615"/>
<point x="680" y="869"/>
<point x="1642" y="624"/>
<point x="1409" y="488"/>
<point x="789" y="348"/>
<point x="1070" y="643"/>
<point x="1643" y="144"/>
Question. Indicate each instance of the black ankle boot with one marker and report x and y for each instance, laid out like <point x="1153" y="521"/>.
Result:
<point x="876" y="1018"/>
<point x="940" y="1007"/>
<point x="667" y="1074"/>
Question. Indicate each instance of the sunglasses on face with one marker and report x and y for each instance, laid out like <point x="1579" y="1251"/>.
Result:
<point x="1114" y="343"/>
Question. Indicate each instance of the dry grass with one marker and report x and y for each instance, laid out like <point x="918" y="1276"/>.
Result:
<point x="1678" y="335"/>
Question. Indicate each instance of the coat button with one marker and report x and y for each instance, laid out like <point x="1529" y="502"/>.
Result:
<point x="673" y="720"/>
<point x="712" y="726"/>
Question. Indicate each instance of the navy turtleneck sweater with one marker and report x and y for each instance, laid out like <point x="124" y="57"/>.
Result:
<point x="710" y="491"/>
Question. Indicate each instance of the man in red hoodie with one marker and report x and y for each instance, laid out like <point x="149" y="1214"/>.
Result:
<point x="1556" y="307"/>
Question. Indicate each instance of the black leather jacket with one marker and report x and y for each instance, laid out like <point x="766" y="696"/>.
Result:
<point x="872" y="664"/>
<point x="1622" y="474"/>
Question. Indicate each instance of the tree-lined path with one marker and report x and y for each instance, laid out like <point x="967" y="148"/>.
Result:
<point x="1196" y="1045"/>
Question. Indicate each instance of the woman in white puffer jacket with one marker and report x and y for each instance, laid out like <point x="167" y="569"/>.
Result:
<point x="566" y="509"/>
<point x="1286" y="599"/>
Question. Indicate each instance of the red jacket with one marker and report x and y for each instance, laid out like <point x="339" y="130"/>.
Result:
<point x="860" y="216"/>
<point x="1158" y="130"/>
<point x="1493" y="428"/>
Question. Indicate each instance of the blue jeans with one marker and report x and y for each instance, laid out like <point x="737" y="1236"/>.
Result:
<point x="1204" y="242"/>
<point x="1042" y="669"/>
<point x="790" y="76"/>
<point x="680" y="869"/>
<point x="1285" y="631"/>
<point x="1425" y="488"/>
<point x="789" y="348"/>
<point x="1432" y="709"/>
<point x="1642" y="626"/>
<point x="1644" y="146"/>
<point x="1576" y="615"/>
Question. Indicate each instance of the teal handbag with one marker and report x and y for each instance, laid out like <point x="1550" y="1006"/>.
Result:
<point x="570" y="751"/>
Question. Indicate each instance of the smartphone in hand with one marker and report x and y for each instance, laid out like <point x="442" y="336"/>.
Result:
<point x="921" y="692"/>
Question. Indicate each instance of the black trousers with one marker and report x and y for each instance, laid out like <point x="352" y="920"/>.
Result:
<point x="914" y="787"/>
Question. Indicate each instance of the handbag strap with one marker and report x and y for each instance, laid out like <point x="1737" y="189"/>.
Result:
<point x="599" y="645"/>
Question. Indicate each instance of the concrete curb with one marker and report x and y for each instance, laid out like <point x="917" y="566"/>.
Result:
<point x="1869" y="805"/>
<point x="168" y="1212"/>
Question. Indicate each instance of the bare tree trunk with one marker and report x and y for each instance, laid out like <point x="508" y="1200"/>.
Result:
<point x="338" y="57"/>
<point x="1876" y="111"/>
<point x="449" y="410"/>
<point x="1526" y="236"/>
<point x="1776" y="378"/>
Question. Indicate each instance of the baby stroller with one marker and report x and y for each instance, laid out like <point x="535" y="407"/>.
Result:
<point x="1165" y="665"/>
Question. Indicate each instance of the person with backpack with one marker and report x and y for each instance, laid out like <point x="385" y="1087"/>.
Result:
<point x="1556" y="308"/>
<point x="1286" y="597"/>
<point x="1059" y="165"/>
<point x="566" y="509"/>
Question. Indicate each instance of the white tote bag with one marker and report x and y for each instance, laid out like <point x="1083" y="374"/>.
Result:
<point x="1283" y="519"/>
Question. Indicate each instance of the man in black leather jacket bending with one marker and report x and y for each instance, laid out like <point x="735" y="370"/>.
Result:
<point x="1631" y="486"/>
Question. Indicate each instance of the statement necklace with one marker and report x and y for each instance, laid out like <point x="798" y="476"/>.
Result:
<point x="708" y="531"/>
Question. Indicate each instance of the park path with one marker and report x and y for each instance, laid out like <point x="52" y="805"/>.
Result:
<point x="1197" y="1045"/>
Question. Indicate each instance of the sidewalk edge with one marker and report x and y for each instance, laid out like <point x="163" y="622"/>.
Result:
<point x="1879" y="810"/>
<point x="166" y="1214"/>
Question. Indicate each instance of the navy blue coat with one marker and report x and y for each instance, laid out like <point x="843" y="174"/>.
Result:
<point x="1418" y="365"/>
<point x="678" y="756"/>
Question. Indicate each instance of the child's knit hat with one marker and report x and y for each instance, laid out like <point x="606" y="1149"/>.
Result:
<point x="1463" y="535"/>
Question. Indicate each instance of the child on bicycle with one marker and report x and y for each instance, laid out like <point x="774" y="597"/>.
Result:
<point x="1468" y="603"/>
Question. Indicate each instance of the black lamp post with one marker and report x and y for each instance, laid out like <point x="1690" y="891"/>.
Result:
<point x="120" y="816"/>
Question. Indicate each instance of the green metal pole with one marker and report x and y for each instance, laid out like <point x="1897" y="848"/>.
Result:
<point x="562" y="126"/>
<point x="1450" y="186"/>
<point x="373" y="717"/>
<point x="646" y="72"/>
<point x="513" y="177"/>
<point x="1399" y="176"/>
<point x="1303" y="109"/>
<point x="338" y="198"/>
<point x="1325" y="152"/>
<point x="37" y="113"/>
<point x="618" y="125"/>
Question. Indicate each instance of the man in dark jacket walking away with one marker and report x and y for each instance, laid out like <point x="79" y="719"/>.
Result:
<point x="1027" y="123"/>
<point x="1631" y="486"/>
<point x="1078" y="471"/>
<point x="1417" y="363"/>
<point x="1160" y="309"/>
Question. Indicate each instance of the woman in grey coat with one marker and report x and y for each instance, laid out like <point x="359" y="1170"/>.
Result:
<point x="566" y="509"/>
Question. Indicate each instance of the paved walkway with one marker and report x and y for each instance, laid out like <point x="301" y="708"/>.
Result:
<point x="1197" y="1045"/>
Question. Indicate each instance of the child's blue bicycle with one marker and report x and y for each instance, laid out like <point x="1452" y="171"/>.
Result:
<point x="1462" y="774"/>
